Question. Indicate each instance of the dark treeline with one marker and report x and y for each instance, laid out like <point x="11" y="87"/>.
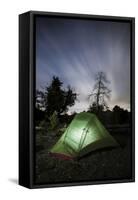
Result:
<point x="117" y="116"/>
<point x="54" y="101"/>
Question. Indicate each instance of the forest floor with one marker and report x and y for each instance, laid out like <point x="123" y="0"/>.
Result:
<point x="104" y="164"/>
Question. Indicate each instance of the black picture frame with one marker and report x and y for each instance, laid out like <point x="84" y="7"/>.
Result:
<point x="27" y="55"/>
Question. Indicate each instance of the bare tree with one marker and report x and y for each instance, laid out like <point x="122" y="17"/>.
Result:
<point x="100" y="92"/>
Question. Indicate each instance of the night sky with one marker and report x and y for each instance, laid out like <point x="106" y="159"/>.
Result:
<point x="75" y="50"/>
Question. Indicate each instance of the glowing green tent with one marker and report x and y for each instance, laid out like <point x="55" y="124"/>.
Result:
<point x="84" y="134"/>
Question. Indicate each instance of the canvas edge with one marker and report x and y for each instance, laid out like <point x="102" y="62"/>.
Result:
<point x="133" y="94"/>
<point x="24" y="96"/>
<point x="80" y="15"/>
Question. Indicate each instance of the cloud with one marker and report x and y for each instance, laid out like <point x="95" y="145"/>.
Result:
<point x="75" y="50"/>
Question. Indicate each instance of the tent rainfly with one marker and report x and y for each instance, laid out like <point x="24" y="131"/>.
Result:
<point x="84" y="134"/>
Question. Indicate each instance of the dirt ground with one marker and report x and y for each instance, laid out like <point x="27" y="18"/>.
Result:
<point x="104" y="164"/>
